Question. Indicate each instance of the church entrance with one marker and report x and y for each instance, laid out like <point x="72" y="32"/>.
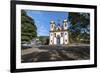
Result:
<point x="58" y="40"/>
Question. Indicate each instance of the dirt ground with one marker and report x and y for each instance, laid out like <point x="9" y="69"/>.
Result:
<point x="55" y="53"/>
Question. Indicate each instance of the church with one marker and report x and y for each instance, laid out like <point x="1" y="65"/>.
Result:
<point x="58" y="33"/>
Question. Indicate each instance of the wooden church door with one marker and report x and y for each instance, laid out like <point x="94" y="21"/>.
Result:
<point x="58" y="40"/>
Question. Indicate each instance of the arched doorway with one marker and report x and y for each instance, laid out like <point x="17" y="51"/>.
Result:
<point x="58" y="40"/>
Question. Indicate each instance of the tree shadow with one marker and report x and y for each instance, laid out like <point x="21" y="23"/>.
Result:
<point x="58" y="54"/>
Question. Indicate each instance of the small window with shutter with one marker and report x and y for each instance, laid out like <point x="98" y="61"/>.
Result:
<point x="65" y="33"/>
<point x="61" y="34"/>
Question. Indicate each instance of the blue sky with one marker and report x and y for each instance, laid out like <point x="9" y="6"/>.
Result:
<point x="43" y="18"/>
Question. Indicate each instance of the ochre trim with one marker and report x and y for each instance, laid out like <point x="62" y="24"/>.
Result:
<point x="59" y="31"/>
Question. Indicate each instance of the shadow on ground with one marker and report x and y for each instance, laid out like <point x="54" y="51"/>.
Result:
<point x="57" y="53"/>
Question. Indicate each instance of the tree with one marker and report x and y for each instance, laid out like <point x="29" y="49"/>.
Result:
<point x="28" y="27"/>
<point x="44" y="40"/>
<point x="79" y="28"/>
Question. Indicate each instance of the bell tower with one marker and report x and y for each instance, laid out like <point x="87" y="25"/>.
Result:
<point x="52" y="25"/>
<point x="65" y="24"/>
<point x="65" y="27"/>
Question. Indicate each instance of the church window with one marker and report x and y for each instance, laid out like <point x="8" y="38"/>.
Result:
<point x="61" y="34"/>
<point x="55" y="34"/>
<point x="65" y="25"/>
<point x="51" y="34"/>
<point x="65" y="33"/>
<point x="65" y="40"/>
<point x="51" y="41"/>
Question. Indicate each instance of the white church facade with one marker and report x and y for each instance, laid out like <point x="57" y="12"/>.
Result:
<point x="58" y="33"/>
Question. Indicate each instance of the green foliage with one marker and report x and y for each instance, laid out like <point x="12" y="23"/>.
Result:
<point x="79" y="30"/>
<point x="44" y="40"/>
<point x="28" y="27"/>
